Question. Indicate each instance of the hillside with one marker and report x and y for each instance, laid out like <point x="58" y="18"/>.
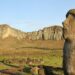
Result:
<point x="48" y="33"/>
<point x="42" y="47"/>
<point x="49" y="37"/>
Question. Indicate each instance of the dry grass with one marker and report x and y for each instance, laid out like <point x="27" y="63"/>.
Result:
<point x="49" y="51"/>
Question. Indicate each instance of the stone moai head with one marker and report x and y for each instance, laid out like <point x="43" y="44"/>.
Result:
<point x="69" y="25"/>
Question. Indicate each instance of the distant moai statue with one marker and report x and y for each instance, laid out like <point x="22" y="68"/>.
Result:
<point x="69" y="45"/>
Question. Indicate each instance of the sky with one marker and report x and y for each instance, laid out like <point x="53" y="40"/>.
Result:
<point x="32" y="15"/>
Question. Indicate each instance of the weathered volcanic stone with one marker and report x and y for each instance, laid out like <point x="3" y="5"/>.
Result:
<point x="48" y="33"/>
<point x="69" y="46"/>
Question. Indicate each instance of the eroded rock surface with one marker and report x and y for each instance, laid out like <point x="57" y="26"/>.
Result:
<point x="48" y="33"/>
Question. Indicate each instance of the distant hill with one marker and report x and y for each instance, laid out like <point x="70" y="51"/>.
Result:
<point x="14" y="39"/>
<point x="48" y="33"/>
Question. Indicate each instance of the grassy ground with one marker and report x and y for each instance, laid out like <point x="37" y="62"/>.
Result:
<point x="50" y="57"/>
<point x="49" y="51"/>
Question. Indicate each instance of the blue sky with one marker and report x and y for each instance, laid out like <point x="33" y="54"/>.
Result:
<point x="31" y="15"/>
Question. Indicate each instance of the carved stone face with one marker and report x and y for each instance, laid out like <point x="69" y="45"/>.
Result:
<point x="69" y="27"/>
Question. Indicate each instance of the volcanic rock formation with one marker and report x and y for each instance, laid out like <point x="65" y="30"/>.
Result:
<point x="48" y="33"/>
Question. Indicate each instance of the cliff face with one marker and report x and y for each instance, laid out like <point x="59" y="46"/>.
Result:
<point x="53" y="33"/>
<point x="7" y="31"/>
<point x="49" y="33"/>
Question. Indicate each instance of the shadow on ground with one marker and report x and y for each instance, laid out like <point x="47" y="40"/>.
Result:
<point x="42" y="48"/>
<point x="49" y="70"/>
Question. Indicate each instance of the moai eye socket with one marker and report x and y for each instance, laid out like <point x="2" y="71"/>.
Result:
<point x="73" y="15"/>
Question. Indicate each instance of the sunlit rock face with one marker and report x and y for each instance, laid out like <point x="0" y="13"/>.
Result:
<point x="4" y="31"/>
<point x="53" y="33"/>
<point x="7" y="31"/>
<point x="48" y="33"/>
<point x="36" y="35"/>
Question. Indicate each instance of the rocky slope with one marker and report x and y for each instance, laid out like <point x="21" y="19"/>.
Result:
<point x="7" y="31"/>
<point x="48" y="33"/>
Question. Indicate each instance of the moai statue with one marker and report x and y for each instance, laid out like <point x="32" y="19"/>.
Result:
<point x="69" y="45"/>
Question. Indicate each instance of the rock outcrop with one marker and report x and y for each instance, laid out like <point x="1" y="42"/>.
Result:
<point x="48" y="33"/>
<point x="7" y="31"/>
<point x="52" y="33"/>
<point x="36" y="35"/>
